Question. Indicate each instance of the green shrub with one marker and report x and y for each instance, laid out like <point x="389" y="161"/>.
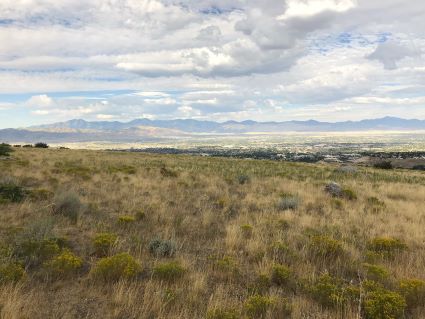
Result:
<point x="288" y="201"/>
<point x="386" y="246"/>
<point x="41" y="145"/>
<point x="384" y="304"/>
<point x="281" y="275"/>
<point x="34" y="251"/>
<point x="243" y="179"/>
<point x="349" y="194"/>
<point x="257" y="306"/>
<point x="103" y="242"/>
<point x="261" y="284"/>
<point x="162" y="248"/>
<point x="5" y="149"/>
<point x="121" y="266"/>
<point x="227" y="264"/>
<point x="413" y="290"/>
<point x="383" y="165"/>
<point x="223" y="314"/>
<point x="328" y="291"/>
<point x="126" y="219"/>
<point x="68" y="204"/>
<point x="11" y="272"/>
<point x="375" y="272"/>
<point x="326" y="247"/>
<point x="65" y="264"/>
<point x="10" y="191"/>
<point x="169" y="271"/>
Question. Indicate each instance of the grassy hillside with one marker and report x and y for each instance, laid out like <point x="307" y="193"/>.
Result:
<point x="86" y="234"/>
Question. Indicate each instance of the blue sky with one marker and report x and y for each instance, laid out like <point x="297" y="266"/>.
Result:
<point x="217" y="60"/>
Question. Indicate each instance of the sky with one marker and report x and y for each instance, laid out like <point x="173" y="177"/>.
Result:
<point x="264" y="60"/>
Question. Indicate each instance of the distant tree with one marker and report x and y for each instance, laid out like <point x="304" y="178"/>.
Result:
<point x="41" y="145"/>
<point x="383" y="165"/>
<point x="27" y="145"/>
<point x="5" y="149"/>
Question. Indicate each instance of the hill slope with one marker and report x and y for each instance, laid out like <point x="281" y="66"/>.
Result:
<point x="87" y="234"/>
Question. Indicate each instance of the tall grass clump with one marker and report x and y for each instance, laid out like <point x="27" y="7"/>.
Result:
<point x="288" y="201"/>
<point x="68" y="204"/>
<point x="11" y="191"/>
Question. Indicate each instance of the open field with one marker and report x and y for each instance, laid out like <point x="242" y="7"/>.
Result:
<point x="95" y="234"/>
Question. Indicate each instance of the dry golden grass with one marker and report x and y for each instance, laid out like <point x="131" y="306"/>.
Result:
<point x="227" y="235"/>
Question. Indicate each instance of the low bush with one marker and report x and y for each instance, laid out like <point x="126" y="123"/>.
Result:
<point x="282" y="252"/>
<point x="10" y="191"/>
<point x="332" y="292"/>
<point x="121" y="266"/>
<point x="5" y="149"/>
<point x="162" y="248"/>
<point x="281" y="275"/>
<point x="11" y="272"/>
<point x="34" y="251"/>
<point x="64" y="264"/>
<point x="169" y="271"/>
<point x="386" y="246"/>
<point x="333" y="189"/>
<point x="288" y="201"/>
<point x="383" y="304"/>
<point x="349" y="194"/>
<point x="41" y="145"/>
<point x="257" y="306"/>
<point x="103" y="242"/>
<point x="325" y="247"/>
<point x="261" y="284"/>
<point x="383" y="165"/>
<point x="375" y="272"/>
<point x="243" y="179"/>
<point x="68" y="204"/>
<point x="413" y="290"/>
<point x="227" y="264"/>
<point x="419" y="167"/>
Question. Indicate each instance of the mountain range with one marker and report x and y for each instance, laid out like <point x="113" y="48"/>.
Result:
<point x="140" y="130"/>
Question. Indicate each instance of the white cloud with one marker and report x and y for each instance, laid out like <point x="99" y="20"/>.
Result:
<point x="42" y="101"/>
<point x="216" y="59"/>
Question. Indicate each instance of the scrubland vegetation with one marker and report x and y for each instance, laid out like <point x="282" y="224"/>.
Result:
<point x="86" y="234"/>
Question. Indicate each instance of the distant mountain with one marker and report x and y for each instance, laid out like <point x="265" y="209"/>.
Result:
<point x="194" y="126"/>
<point x="140" y="130"/>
